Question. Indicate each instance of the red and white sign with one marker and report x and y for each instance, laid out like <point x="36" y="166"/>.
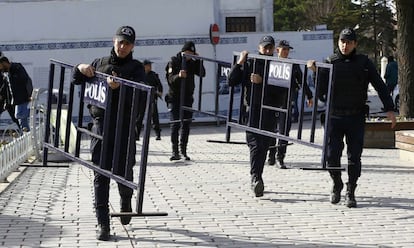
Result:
<point x="214" y="34"/>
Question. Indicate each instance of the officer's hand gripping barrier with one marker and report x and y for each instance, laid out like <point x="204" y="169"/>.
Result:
<point x="138" y="90"/>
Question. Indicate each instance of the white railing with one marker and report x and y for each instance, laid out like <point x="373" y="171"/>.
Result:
<point x="17" y="150"/>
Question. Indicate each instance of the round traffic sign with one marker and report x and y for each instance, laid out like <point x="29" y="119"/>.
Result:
<point x="214" y="34"/>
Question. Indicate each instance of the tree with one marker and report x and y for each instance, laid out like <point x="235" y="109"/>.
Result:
<point x="377" y="29"/>
<point x="288" y="15"/>
<point x="405" y="58"/>
<point x="376" y="33"/>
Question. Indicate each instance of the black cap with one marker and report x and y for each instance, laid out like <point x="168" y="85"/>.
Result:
<point x="284" y="43"/>
<point x="126" y="33"/>
<point x="147" y="62"/>
<point x="267" y="40"/>
<point x="347" y="34"/>
<point x="188" y="46"/>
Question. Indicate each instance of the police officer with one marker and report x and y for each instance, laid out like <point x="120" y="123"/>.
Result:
<point x="283" y="49"/>
<point x="121" y="64"/>
<point x="152" y="79"/>
<point x="352" y="73"/>
<point x="250" y="73"/>
<point x="175" y="77"/>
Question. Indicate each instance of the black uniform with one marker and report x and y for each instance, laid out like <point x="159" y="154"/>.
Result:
<point x="154" y="80"/>
<point x="258" y="144"/>
<point x="284" y="126"/>
<point x="126" y="68"/>
<point x="173" y="99"/>
<point x="352" y="73"/>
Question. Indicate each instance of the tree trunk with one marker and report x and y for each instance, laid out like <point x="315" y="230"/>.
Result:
<point x="405" y="46"/>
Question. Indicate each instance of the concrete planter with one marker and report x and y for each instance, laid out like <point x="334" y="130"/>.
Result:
<point x="378" y="134"/>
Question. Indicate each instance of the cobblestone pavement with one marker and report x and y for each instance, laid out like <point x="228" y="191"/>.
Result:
<point x="210" y="204"/>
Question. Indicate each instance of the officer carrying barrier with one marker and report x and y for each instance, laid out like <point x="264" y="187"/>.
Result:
<point x="221" y="93"/>
<point x="221" y="73"/>
<point x="278" y="73"/>
<point x="95" y="92"/>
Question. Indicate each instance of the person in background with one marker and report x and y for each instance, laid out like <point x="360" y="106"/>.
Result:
<point x="250" y="74"/>
<point x="391" y="74"/>
<point x="119" y="63"/>
<point x="283" y="50"/>
<point x="175" y="77"/>
<point x="20" y="88"/>
<point x="153" y="80"/>
<point x="5" y="99"/>
<point x="351" y="73"/>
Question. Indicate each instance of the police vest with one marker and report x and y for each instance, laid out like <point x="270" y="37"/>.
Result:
<point x="350" y="83"/>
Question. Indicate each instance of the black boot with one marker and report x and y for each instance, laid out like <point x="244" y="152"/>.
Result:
<point x="257" y="186"/>
<point x="280" y="160"/>
<point x="175" y="153"/>
<point x="184" y="152"/>
<point x="281" y="163"/>
<point x="126" y="207"/>
<point x="102" y="215"/>
<point x="272" y="156"/>
<point x="337" y="187"/>
<point x="158" y="134"/>
<point x="350" y="195"/>
<point x="103" y="232"/>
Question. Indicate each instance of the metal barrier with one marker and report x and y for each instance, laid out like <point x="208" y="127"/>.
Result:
<point x="18" y="149"/>
<point x="278" y="73"/>
<point x="272" y="64"/>
<point x="221" y="65"/>
<point x="60" y="143"/>
<point x="221" y="68"/>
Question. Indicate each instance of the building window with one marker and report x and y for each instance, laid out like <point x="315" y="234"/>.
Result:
<point x="240" y="24"/>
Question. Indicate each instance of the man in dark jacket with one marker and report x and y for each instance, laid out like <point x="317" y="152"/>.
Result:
<point x="120" y="63"/>
<point x="5" y="101"/>
<point x="352" y="73"/>
<point x="391" y="74"/>
<point x="250" y="73"/>
<point x="16" y="77"/>
<point x="152" y="79"/>
<point x="176" y="76"/>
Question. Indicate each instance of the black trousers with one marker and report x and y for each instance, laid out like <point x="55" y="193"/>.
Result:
<point x="259" y="144"/>
<point x="176" y="124"/>
<point x="101" y="182"/>
<point x="155" y="118"/>
<point x="283" y="126"/>
<point x="352" y="128"/>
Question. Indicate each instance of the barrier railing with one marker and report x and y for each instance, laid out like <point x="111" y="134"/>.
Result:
<point x="221" y="69"/>
<point x="278" y="73"/>
<point x="88" y="93"/>
<point x="19" y="147"/>
<point x="273" y="78"/>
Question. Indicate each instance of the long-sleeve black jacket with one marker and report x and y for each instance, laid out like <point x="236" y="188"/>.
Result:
<point x="297" y="77"/>
<point x="21" y="84"/>
<point x="193" y="67"/>
<point x="127" y="68"/>
<point x="352" y="74"/>
<point x="153" y="80"/>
